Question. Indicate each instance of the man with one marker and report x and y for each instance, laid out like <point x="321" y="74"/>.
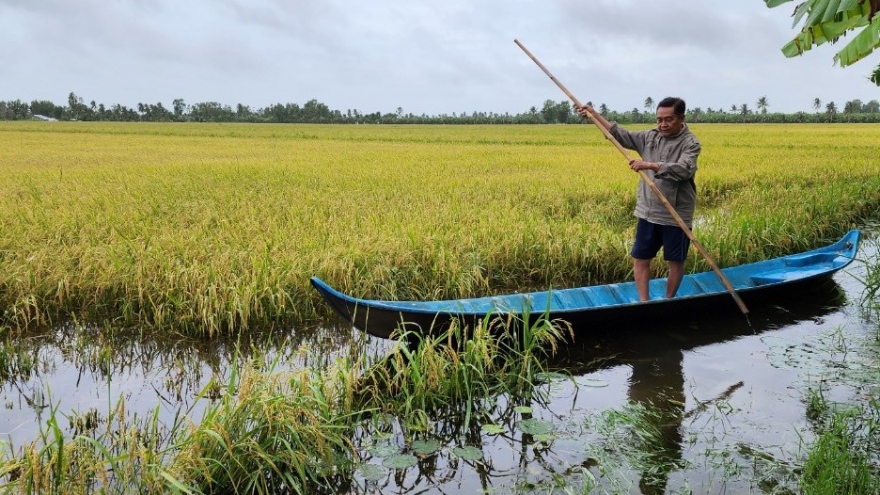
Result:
<point x="669" y="157"/>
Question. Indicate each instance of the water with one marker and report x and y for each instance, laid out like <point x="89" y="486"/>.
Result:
<point x="725" y="400"/>
<point x="710" y="390"/>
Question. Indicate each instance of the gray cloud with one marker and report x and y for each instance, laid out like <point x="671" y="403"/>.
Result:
<point x="426" y="57"/>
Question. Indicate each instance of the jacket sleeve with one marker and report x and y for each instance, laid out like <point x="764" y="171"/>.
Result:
<point x="631" y="140"/>
<point x="685" y="167"/>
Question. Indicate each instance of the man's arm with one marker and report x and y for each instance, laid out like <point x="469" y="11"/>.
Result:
<point x="631" y="140"/>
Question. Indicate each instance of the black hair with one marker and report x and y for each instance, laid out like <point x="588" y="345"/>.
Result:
<point x="677" y="104"/>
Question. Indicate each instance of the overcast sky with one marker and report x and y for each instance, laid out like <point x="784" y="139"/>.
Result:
<point x="424" y="56"/>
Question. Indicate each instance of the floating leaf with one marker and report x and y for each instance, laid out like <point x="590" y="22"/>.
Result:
<point x="400" y="461"/>
<point x="492" y="429"/>
<point x="544" y="438"/>
<point x="592" y="382"/>
<point x="468" y="453"/>
<point x="384" y="450"/>
<point x="535" y="426"/>
<point x="550" y="376"/>
<point x="523" y="409"/>
<point x="425" y="447"/>
<point x="372" y="472"/>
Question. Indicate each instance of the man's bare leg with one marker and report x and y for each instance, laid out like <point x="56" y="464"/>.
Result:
<point x="673" y="281"/>
<point x="642" y="274"/>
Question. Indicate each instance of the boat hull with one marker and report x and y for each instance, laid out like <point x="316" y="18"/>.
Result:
<point x="590" y="308"/>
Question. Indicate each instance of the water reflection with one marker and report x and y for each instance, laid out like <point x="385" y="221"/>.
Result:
<point x="657" y="385"/>
<point x="655" y="352"/>
<point x="83" y="369"/>
<point x="621" y="345"/>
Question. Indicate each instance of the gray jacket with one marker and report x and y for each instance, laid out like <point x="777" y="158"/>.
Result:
<point x="677" y="156"/>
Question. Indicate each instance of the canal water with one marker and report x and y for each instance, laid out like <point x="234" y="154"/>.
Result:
<point x="717" y="406"/>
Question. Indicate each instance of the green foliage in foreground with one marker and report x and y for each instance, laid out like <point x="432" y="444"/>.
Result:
<point x="827" y="21"/>
<point x="208" y="229"/>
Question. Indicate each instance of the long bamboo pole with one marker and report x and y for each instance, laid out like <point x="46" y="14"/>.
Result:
<point x="644" y="176"/>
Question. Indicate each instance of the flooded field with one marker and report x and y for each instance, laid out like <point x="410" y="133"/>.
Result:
<point x="673" y="407"/>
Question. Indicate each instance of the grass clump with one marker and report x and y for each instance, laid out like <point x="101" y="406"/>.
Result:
<point x="844" y="459"/>
<point x="284" y="432"/>
<point x="456" y="369"/>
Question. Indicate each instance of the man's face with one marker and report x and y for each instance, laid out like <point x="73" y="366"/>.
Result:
<point x="668" y="123"/>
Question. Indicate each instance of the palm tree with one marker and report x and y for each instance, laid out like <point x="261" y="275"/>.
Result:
<point x="831" y="110"/>
<point x="763" y="104"/>
<point x="649" y="104"/>
<point x="817" y="104"/>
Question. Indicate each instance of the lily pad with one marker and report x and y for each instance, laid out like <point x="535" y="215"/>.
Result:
<point x="492" y="429"/>
<point x="523" y="409"/>
<point x="535" y="426"/>
<point x="372" y="472"/>
<point x="425" y="447"/>
<point x="400" y="461"/>
<point x="384" y="450"/>
<point x="468" y="453"/>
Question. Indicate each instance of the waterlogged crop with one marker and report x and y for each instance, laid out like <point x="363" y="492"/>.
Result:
<point x="207" y="229"/>
<point x="270" y="429"/>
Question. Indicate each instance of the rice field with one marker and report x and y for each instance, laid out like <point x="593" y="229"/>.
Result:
<point x="182" y="231"/>
<point x="209" y="229"/>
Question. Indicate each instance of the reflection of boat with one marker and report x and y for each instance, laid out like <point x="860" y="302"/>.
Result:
<point x="624" y="344"/>
<point x="584" y="307"/>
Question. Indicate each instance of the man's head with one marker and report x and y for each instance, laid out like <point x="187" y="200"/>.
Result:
<point x="670" y="116"/>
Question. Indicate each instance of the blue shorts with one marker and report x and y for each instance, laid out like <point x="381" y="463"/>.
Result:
<point x="650" y="237"/>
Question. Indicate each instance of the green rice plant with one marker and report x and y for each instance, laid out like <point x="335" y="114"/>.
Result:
<point x="271" y="431"/>
<point x="459" y="367"/>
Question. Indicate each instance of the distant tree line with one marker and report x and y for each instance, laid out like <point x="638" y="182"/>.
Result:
<point x="313" y="111"/>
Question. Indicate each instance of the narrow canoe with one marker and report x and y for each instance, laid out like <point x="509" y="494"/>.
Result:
<point x="586" y="307"/>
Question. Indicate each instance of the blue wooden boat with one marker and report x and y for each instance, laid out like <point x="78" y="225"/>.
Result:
<point x="588" y="307"/>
